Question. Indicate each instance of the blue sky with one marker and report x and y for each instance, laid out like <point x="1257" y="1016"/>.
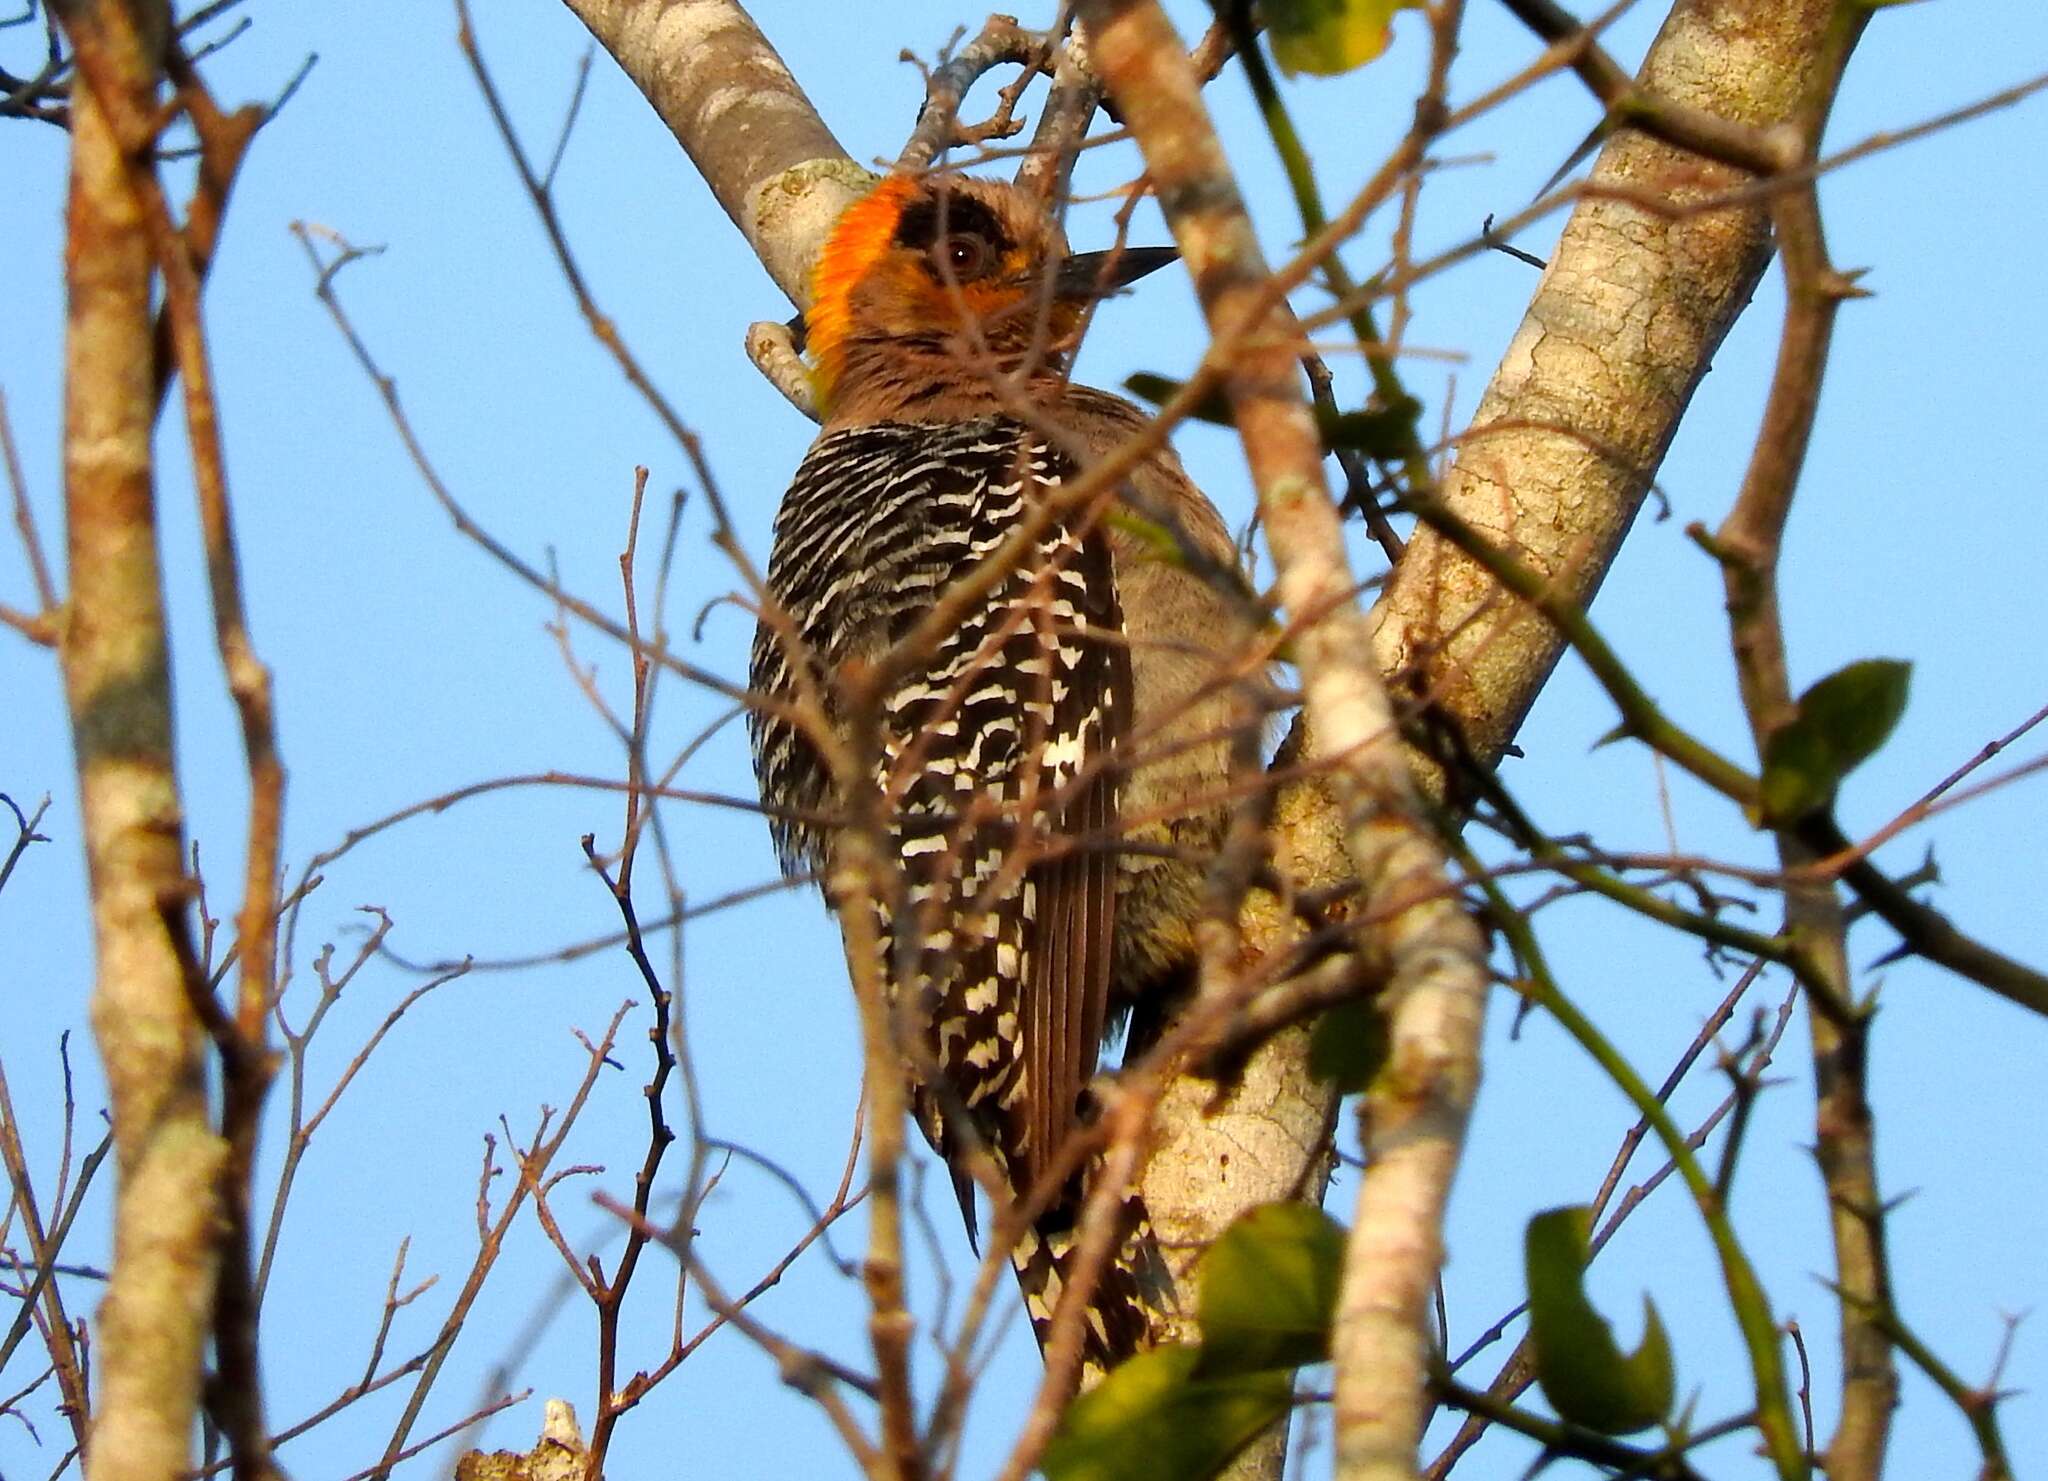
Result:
<point x="408" y="664"/>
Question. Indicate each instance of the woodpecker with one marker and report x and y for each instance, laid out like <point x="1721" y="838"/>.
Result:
<point x="1055" y="764"/>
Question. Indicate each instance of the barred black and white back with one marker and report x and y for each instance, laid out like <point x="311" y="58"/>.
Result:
<point x="997" y="768"/>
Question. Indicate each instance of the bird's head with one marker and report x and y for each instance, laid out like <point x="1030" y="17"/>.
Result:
<point x="932" y="268"/>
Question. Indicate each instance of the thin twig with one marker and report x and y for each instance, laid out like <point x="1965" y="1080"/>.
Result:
<point x="24" y="516"/>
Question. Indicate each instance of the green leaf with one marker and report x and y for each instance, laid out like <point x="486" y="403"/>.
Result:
<point x="1383" y="433"/>
<point x="1155" y="1419"/>
<point x="1585" y="1376"/>
<point x="1269" y="1289"/>
<point x="1160" y="389"/>
<point x="1348" y="1046"/>
<point x="1155" y="537"/>
<point x="1326" y="37"/>
<point x="1839" y="724"/>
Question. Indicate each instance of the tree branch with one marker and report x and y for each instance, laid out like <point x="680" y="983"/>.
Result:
<point x="1623" y="326"/>
<point x="1749" y="546"/>
<point x="115" y="653"/>
<point x="1435" y="995"/>
<point x="1002" y="41"/>
<point x="782" y="178"/>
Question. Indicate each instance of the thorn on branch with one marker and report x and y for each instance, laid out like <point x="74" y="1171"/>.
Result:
<point x="1500" y="244"/>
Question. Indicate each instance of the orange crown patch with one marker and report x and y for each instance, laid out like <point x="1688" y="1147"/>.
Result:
<point x="862" y="235"/>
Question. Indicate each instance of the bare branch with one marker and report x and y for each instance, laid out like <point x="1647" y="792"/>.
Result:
<point x="24" y="517"/>
<point x="1002" y="41"/>
<point x="42" y="1300"/>
<point x="1749" y="545"/>
<point x="533" y="1165"/>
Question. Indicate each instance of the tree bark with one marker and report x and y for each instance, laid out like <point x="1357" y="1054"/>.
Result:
<point x="746" y="125"/>
<point x="1434" y="995"/>
<point x="153" y="1323"/>
<point x="1567" y="439"/>
<point x="1625" y="322"/>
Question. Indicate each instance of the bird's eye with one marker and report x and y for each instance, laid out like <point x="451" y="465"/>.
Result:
<point x="962" y="255"/>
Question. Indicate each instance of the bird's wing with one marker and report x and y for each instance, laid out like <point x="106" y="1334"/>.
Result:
<point x="1070" y="942"/>
<point x="993" y="753"/>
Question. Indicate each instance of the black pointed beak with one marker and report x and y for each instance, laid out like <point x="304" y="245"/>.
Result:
<point x="1099" y="274"/>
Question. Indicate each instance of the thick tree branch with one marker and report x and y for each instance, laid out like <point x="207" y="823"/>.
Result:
<point x="1621" y="331"/>
<point x="1435" y="995"/>
<point x="1679" y="124"/>
<point x="746" y="125"/>
<point x="1624" y="323"/>
<point x="153" y="1324"/>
